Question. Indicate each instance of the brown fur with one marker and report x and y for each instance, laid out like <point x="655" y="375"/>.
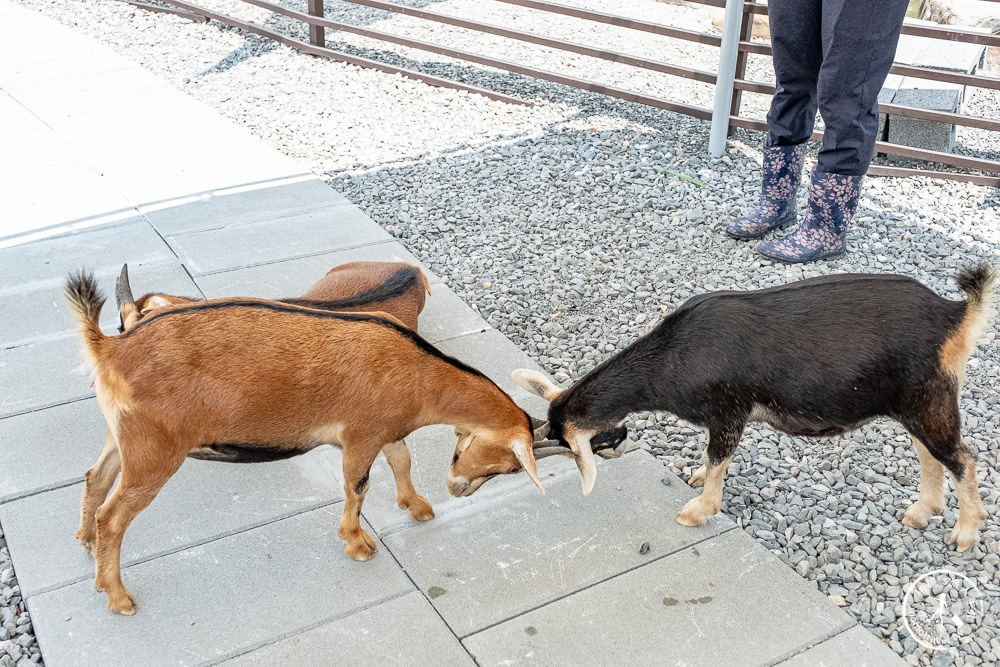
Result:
<point x="315" y="377"/>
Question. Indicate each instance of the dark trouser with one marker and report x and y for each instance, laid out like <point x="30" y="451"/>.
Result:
<point x="834" y="54"/>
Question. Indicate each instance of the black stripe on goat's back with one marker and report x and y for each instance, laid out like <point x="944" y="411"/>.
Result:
<point x="279" y="307"/>
<point x="397" y="285"/>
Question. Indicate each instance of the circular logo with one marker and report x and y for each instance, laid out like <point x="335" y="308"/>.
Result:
<point x="941" y="607"/>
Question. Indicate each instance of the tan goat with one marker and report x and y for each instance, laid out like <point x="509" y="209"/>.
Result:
<point x="256" y="380"/>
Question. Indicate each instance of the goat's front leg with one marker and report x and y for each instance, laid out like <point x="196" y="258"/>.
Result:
<point x="398" y="456"/>
<point x="100" y="479"/>
<point x="721" y="443"/>
<point x="931" y="498"/>
<point x="698" y="476"/>
<point x="358" y="461"/>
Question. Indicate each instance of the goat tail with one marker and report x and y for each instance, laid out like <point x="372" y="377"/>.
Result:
<point x="86" y="301"/>
<point x="980" y="285"/>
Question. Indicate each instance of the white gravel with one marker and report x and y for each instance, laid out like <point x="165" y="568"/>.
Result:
<point x="588" y="218"/>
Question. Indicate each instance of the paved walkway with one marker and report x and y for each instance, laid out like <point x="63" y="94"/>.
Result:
<point x="103" y="163"/>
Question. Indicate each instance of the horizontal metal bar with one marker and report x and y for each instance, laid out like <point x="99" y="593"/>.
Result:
<point x="895" y="109"/>
<point x="893" y="149"/>
<point x="344" y="57"/>
<point x="190" y="16"/>
<point x="582" y="84"/>
<point x="582" y="49"/>
<point x="977" y="179"/>
<point x="948" y="33"/>
<point x="931" y="74"/>
<point x="620" y="21"/>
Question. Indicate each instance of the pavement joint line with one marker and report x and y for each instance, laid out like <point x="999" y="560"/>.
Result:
<point x="203" y="195"/>
<point x="597" y="583"/>
<point x="288" y="259"/>
<point x="465" y="335"/>
<point x="46" y="406"/>
<point x="828" y="637"/>
<point x="192" y="545"/>
<point x="55" y="486"/>
<point x="429" y="602"/>
<point x="108" y="220"/>
<point x="305" y="628"/>
<point x="231" y="225"/>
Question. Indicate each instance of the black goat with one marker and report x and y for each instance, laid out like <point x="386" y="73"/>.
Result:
<point x="817" y="357"/>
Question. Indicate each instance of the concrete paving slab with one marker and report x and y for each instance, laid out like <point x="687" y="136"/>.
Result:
<point x="40" y="219"/>
<point x="104" y="249"/>
<point x="431" y="449"/>
<point x="218" y="600"/>
<point x="503" y="557"/>
<point x="446" y="316"/>
<point x="203" y="501"/>
<point x="27" y="151"/>
<point x="725" y="601"/>
<point x="251" y="203"/>
<point x="49" y="448"/>
<point x="402" y="632"/>
<point x="856" y="647"/>
<point x="24" y="387"/>
<point x="496" y="356"/>
<point x="309" y="233"/>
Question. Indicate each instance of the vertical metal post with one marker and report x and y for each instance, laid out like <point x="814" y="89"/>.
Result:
<point x="317" y="33"/>
<point x="746" y="35"/>
<point x="724" y="78"/>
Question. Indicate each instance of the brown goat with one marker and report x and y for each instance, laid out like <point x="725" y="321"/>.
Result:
<point x="179" y="384"/>
<point x="397" y="288"/>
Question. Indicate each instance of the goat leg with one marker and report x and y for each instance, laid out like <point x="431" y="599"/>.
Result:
<point x="398" y="456"/>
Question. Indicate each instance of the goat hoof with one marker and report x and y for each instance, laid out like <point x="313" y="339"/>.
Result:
<point x="963" y="538"/>
<point x="123" y="604"/>
<point x="420" y="509"/>
<point x="693" y="513"/>
<point x="361" y="552"/>
<point x="698" y="477"/>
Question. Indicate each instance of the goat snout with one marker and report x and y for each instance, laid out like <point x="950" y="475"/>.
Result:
<point x="458" y="486"/>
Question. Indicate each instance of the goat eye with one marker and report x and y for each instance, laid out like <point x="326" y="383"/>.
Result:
<point x="512" y="470"/>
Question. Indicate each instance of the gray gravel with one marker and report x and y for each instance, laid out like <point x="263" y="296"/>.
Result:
<point x="571" y="226"/>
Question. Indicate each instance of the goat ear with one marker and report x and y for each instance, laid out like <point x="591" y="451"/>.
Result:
<point x="584" y="455"/>
<point x="536" y="383"/>
<point x="155" y="301"/>
<point x="526" y="458"/>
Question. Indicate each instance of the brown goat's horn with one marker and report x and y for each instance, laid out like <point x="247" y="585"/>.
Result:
<point x="123" y="291"/>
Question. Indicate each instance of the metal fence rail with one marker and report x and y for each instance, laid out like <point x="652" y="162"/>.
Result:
<point x="730" y="83"/>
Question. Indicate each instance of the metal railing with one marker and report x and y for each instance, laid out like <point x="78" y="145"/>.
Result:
<point x="735" y="45"/>
<point x="740" y="84"/>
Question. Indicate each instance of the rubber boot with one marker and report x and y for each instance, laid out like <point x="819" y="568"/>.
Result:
<point x="782" y="175"/>
<point x="833" y="199"/>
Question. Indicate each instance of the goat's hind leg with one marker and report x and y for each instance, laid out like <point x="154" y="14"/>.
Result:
<point x="398" y="456"/>
<point x="698" y="476"/>
<point x="721" y="443"/>
<point x="141" y="480"/>
<point x="99" y="480"/>
<point x="938" y="427"/>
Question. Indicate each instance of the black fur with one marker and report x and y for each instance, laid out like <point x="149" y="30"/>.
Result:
<point x="398" y="284"/>
<point x="822" y="356"/>
<point x="242" y="452"/>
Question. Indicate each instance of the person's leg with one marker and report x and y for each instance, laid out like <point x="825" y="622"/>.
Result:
<point x="796" y="42"/>
<point x="859" y="43"/>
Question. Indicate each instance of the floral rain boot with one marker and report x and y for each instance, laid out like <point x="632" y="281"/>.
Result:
<point x="833" y="198"/>
<point x="782" y="175"/>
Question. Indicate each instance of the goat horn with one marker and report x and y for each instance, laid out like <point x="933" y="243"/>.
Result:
<point x="585" y="462"/>
<point x="123" y="291"/>
<point x="539" y="429"/>
<point x="527" y="460"/>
